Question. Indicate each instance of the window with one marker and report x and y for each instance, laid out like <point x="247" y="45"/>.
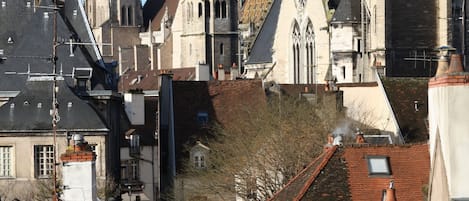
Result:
<point x="5" y="161"/>
<point x="217" y="9"/>
<point x="43" y="160"/>
<point x="378" y="165"/>
<point x="130" y="16"/>
<point x="199" y="160"/>
<point x="134" y="144"/>
<point x="296" y="38"/>
<point x="222" y="49"/>
<point x="130" y="170"/>
<point x="202" y="118"/>
<point x="123" y="15"/>
<point x="207" y="9"/>
<point x="223" y="9"/>
<point x="310" y="49"/>
<point x="343" y="72"/>
<point x="200" y="10"/>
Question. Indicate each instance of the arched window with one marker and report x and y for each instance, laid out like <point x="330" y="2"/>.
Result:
<point x="217" y="9"/>
<point x="222" y="49"/>
<point x="223" y="9"/>
<point x="296" y="38"/>
<point x="200" y="9"/>
<point x="123" y="15"/>
<point x="130" y="16"/>
<point x="310" y="53"/>
<point x="188" y="12"/>
<point x="192" y="11"/>
<point x="207" y="9"/>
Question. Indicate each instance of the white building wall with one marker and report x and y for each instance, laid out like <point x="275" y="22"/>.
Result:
<point x="448" y="117"/>
<point x="367" y="104"/>
<point x="282" y="47"/>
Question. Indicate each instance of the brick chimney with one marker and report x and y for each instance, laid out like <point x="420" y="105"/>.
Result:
<point x="79" y="171"/>
<point x="359" y="139"/>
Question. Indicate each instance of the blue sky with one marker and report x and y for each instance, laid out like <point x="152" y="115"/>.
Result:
<point x="143" y="1"/>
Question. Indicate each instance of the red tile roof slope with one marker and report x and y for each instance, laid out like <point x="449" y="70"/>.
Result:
<point x="297" y="186"/>
<point x="410" y="167"/>
<point x="149" y="78"/>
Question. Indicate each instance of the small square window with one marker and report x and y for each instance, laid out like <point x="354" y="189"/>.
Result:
<point x="202" y="118"/>
<point x="378" y="165"/>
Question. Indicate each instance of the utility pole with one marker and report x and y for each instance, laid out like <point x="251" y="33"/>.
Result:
<point x="55" y="115"/>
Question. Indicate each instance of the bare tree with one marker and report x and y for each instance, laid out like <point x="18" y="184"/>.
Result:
<point x="257" y="153"/>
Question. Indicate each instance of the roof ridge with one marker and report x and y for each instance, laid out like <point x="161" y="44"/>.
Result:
<point x="316" y="172"/>
<point x="364" y="145"/>
<point x="328" y="153"/>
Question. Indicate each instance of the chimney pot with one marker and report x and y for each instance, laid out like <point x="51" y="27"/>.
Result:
<point x="456" y="65"/>
<point x="359" y="139"/>
<point x="391" y="192"/>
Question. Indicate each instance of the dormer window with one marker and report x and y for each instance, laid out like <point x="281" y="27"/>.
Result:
<point x="199" y="154"/>
<point x="378" y="166"/>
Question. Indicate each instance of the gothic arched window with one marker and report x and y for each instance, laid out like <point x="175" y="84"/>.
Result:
<point x="207" y="9"/>
<point x="296" y="39"/>
<point x="310" y="53"/>
<point x="130" y="16"/>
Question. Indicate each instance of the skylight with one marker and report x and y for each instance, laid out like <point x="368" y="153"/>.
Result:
<point x="378" y="165"/>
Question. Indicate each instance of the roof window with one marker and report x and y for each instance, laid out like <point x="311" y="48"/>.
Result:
<point x="4" y="4"/>
<point x="378" y="166"/>
<point x="28" y="4"/>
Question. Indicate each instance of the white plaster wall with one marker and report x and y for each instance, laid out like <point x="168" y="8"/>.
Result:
<point x="377" y="23"/>
<point x="368" y="106"/>
<point x="79" y="179"/>
<point x="315" y="11"/>
<point x="135" y="108"/>
<point x="177" y="31"/>
<point x="342" y="38"/>
<point x="448" y="115"/>
<point x="149" y="172"/>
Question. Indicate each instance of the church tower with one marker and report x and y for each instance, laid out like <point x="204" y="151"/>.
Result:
<point x="207" y="33"/>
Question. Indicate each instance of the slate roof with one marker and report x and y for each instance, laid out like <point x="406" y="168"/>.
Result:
<point x="343" y="175"/>
<point x="261" y="51"/>
<point x="402" y="94"/>
<point x="348" y="11"/>
<point x="27" y="116"/>
<point x="219" y="99"/>
<point x="32" y="34"/>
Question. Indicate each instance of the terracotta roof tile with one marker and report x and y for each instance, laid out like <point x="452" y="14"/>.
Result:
<point x="149" y="78"/>
<point x="255" y="11"/>
<point x="346" y="177"/>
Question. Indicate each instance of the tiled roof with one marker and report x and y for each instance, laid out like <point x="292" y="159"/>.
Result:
<point x="32" y="106"/>
<point x="32" y="36"/>
<point x="346" y="177"/>
<point x="254" y="11"/>
<point x="411" y="116"/>
<point x="149" y="78"/>
<point x="219" y="99"/>
<point x="261" y="51"/>
<point x="348" y="11"/>
<point x="298" y="186"/>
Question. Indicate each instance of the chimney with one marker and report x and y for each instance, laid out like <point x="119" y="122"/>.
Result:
<point x="330" y="141"/>
<point x="359" y="139"/>
<point x="234" y="71"/>
<point x="456" y="65"/>
<point x="390" y="192"/>
<point x="442" y="66"/>
<point x="221" y="72"/>
<point x="79" y="171"/>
